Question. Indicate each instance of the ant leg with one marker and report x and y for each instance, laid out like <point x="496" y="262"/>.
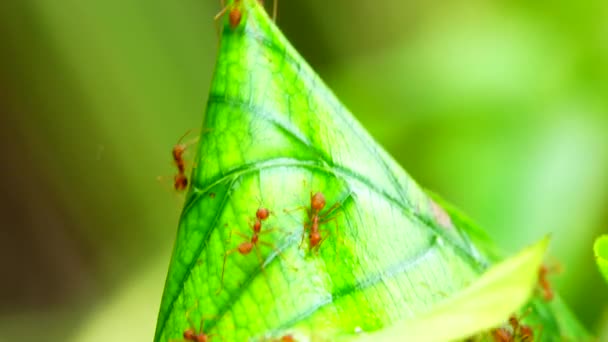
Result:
<point x="325" y="221"/>
<point x="201" y="131"/>
<point x="245" y="237"/>
<point x="270" y="231"/>
<point x="191" y="142"/>
<point x="260" y="259"/>
<point x="278" y="253"/>
<point x="318" y="246"/>
<point x="218" y="335"/>
<point x="240" y="234"/>
<point x="302" y="207"/>
<point x="203" y="319"/>
<point x="183" y="136"/>
<point x="303" y="235"/>
<point x="526" y="313"/>
<point x="188" y="316"/>
<point x="218" y="16"/>
<point x="224" y="268"/>
<point x="330" y="210"/>
<point x="201" y="329"/>
<point x="338" y="239"/>
<point x="214" y="335"/>
<point x="287" y="211"/>
<point x="265" y="231"/>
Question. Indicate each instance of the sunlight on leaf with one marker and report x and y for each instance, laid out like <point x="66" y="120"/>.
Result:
<point x="381" y="251"/>
<point x="275" y="135"/>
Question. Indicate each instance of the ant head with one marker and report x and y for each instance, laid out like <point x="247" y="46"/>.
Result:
<point x="202" y="338"/>
<point x="189" y="335"/>
<point x="513" y="321"/>
<point x="317" y="201"/>
<point x="181" y="182"/>
<point x="262" y="213"/>
<point x="234" y="17"/>
<point x="178" y="151"/>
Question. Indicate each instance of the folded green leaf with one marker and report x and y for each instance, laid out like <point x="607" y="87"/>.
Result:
<point x="276" y="134"/>
<point x="487" y="303"/>
<point x="383" y="251"/>
<point x="601" y="254"/>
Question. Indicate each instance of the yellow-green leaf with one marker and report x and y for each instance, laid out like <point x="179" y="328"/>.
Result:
<point x="487" y="303"/>
<point x="273" y="135"/>
<point x="601" y="254"/>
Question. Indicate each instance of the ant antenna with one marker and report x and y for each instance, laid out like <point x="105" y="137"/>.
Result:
<point x="275" y="7"/>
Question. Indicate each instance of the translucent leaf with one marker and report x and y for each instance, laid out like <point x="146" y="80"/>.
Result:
<point x="601" y="254"/>
<point x="274" y="134"/>
<point x="487" y="303"/>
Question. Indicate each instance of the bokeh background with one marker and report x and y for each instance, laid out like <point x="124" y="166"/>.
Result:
<point x="500" y="106"/>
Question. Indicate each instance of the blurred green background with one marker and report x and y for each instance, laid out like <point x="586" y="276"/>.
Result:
<point x="500" y="106"/>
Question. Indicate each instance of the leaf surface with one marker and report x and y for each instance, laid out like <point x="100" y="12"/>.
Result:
<point x="274" y="134"/>
<point x="601" y="254"/>
<point x="487" y="303"/>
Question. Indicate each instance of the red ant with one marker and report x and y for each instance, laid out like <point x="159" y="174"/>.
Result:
<point x="502" y="335"/>
<point x="544" y="283"/>
<point x="520" y="331"/>
<point x="284" y="338"/>
<point x="524" y="332"/>
<point x="235" y="13"/>
<point x="191" y="335"/>
<point x="246" y="247"/>
<point x="180" y="179"/>
<point x="317" y="203"/>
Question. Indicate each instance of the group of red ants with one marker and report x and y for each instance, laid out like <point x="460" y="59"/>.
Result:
<point x="516" y="331"/>
<point x="522" y="332"/>
<point x="315" y="238"/>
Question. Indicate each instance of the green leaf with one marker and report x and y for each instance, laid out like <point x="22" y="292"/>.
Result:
<point x="601" y="254"/>
<point x="487" y="303"/>
<point x="468" y="229"/>
<point x="555" y="318"/>
<point x="274" y="135"/>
